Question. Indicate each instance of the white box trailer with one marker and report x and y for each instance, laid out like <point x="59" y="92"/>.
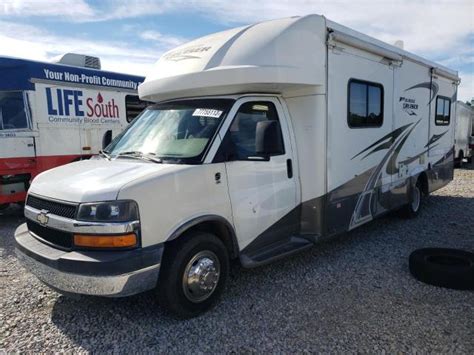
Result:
<point x="463" y="132"/>
<point x="54" y="113"/>
<point x="264" y="140"/>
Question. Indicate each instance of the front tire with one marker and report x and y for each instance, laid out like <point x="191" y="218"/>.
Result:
<point x="193" y="274"/>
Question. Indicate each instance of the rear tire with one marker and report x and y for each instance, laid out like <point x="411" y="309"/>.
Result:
<point x="193" y="274"/>
<point x="413" y="207"/>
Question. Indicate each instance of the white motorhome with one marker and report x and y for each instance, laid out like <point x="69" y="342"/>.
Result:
<point x="55" y="113"/>
<point x="264" y="139"/>
<point x="463" y="132"/>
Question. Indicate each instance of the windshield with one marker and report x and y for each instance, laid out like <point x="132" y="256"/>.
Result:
<point x="180" y="131"/>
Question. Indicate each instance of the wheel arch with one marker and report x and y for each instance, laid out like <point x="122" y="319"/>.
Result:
<point x="423" y="179"/>
<point x="214" y="224"/>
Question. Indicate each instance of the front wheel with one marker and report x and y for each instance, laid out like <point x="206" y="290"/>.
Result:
<point x="193" y="274"/>
<point x="412" y="209"/>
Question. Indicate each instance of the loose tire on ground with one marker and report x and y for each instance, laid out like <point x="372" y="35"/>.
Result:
<point x="450" y="268"/>
<point x="178" y="289"/>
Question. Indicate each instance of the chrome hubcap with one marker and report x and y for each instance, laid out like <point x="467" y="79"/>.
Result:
<point x="201" y="276"/>
<point x="415" y="203"/>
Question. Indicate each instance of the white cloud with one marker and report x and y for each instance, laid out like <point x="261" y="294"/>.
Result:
<point x="62" y="8"/>
<point x="155" y="36"/>
<point x="33" y="43"/>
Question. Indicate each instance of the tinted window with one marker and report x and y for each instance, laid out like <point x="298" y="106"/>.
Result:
<point x="365" y="104"/>
<point x="242" y="132"/>
<point x="443" y="111"/>
<point x="12" y="111"/>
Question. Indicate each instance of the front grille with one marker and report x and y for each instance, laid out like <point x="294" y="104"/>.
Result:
<point x="53" y="207"/>
<point x="53" y="236"/>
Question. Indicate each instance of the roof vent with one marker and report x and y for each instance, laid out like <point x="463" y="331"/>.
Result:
<point x="78" y="60"/>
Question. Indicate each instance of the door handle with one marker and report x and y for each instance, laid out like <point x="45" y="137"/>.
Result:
<point x="289" y="168"/>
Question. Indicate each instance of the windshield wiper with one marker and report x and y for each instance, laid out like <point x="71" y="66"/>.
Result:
<point x="140" y="155"/>
<point x="105" y="154"/>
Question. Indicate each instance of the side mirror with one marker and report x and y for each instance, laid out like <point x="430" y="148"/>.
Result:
<point x="268" y="139"/>
<point x="106" y="139"/>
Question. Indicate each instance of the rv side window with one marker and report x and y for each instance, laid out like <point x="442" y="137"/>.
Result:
<point x="12" y="111"/>
<point x="365" y="104"/>
<point x="443" y="111"/>
<point x="134" y="106"/>
<point x="242" y="132"/>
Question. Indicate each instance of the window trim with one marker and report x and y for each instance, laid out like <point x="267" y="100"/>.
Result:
<point x="26" y="108"/>
<point x="368" y="83"/>
<point x="436" y="110"/>
<point x="226" y="139"/>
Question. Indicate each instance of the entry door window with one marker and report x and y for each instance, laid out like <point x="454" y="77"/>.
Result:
<point x="242" y="132"/>
<point x="12" y="111"/>
<point x="443" y="111"/>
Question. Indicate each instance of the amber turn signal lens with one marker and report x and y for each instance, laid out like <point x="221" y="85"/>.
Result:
<point x="105" y="241"/>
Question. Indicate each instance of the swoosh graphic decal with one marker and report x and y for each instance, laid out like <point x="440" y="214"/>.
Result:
<point x="392" y="135"/>
<point x="435" y="138"/>
<point x="433" y="87"/>
<point x="392" y="167"/>
<point x="364" y="198"/>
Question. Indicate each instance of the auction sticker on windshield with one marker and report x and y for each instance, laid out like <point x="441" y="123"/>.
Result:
<point x="207" y="112"/>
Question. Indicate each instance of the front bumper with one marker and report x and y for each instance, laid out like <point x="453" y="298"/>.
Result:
<point x="98" y="273"/>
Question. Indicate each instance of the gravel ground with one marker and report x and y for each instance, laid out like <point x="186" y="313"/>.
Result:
<point x="353" y="293"/>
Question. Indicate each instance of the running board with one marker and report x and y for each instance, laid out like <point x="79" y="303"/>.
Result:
<point x="275" y="251"/>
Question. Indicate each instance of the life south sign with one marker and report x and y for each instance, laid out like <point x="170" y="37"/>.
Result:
<point x="78" y="106"/>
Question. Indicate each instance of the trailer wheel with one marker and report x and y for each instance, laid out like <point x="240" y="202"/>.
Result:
<point x="4" y="206"/>
<point x="448" y="268"/>
<point x="193" y="274"/>
<point x="415" y="198"/>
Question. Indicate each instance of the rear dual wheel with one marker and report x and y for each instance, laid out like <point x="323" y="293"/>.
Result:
<point x="193" y="274"/>
<point x="412" y="209"/>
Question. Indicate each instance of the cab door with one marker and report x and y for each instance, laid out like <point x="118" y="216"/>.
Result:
<point x="262" y="189"/>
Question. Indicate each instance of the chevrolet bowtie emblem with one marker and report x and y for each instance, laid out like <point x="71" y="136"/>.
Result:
<point x="42" y="217"/>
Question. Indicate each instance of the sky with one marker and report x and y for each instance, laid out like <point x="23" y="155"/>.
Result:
<point x="130" y="35"/>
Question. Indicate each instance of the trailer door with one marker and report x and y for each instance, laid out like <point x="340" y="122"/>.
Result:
<point x="17" y="146"/>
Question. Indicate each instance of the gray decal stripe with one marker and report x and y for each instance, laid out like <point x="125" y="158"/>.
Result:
<point x="433" y="87"/>
<point x="357" y="216"/>
<point x="383" y="146"/>
<point x="392" y="136"/>
<point x="435" y="138"/>
<point x="392" y="168"/>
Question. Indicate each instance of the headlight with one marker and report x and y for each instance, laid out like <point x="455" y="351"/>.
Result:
<point x="113" y="211"/>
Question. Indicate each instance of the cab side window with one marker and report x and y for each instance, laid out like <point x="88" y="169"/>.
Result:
<point x="12" y="111"/>
<point x="242" y="133"/>
<point x="443" y="111"/>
